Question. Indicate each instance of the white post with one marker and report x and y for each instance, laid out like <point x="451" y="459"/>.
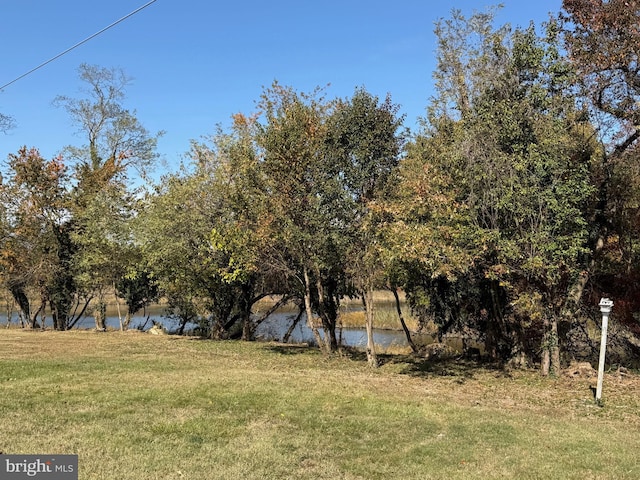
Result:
<point x="605" y="308"/>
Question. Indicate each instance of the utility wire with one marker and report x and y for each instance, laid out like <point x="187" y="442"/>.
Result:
<point x="77" y="44"/>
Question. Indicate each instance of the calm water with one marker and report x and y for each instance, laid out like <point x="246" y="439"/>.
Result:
<point x="274" y="328"/>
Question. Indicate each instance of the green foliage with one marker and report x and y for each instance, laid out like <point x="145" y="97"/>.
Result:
<point x="138" y="289"/>
<point x="502" y="184"/>
<point x="365" y="141"/>
<point x="113" y="133"/>
<point x="493" y="218"/>
<point x="72" y="223"/>
<point x="304" y="197"/>
<point x="37" y="250"/>
<point x="173" y="229"/>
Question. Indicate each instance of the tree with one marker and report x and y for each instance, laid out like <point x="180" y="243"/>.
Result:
<point x="245" y="225"/>
<point x="510" y="163"/>
<point x="116" y="140"/>
<point x="174" y="231"/>
<point x="6" y="123"/>
<point x="103" y="240"/>
<point x="102" y="200"/>
<point x="364" y="143"/>
<point x="428" y="238"/>
<point x="138" y="289"/>
<point x="37" y="252"/>
<point x="602" y="40"/>
<point x="305" y="200"/>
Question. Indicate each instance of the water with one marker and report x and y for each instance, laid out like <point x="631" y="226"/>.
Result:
<point x="112" y="320"/>
<point x="274" y="328"/>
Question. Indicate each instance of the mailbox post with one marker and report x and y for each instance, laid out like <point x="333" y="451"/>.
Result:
<point x="605" y="308"/>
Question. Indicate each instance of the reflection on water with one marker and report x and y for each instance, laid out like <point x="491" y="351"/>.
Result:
<point x="139" y="321"/>
<point x="274" y="328"/>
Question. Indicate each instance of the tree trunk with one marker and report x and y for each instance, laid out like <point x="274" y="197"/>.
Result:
<point x="123" y="327"/>
<point x="402" y="322"/>
<point x="9" y="312"/>
<point x="216" y="331"/>
<point x="293" y="325"/>
<point x="329" y="316"/>
<point x="367" y="300"/>
<point x="255" y="323"/>
<point x="309" y="310"/>
<point x="55" y="316"/>
<point x="494" y="331"/>
<point x="248" y="329"/>
<point x="554" y="349"/>
<point x="71" y="320"/>
<point x="550" y="363"/>
<point x="545" y="362"/>
<point x="17" y="292"/>
<point x="100" y="315"/>
<point x="183" y="323"/>
<point x="127" y="320"/>
<point x="41" y="311"/>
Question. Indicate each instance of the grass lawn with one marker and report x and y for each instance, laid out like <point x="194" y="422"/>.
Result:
<point x="137" y="406"/>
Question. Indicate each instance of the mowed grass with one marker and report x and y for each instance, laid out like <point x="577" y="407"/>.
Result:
<point x="137" y="406"/>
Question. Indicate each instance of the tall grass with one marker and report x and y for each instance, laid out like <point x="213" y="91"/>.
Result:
<point x="136" y="406"/>
<point x="385" y="316"/>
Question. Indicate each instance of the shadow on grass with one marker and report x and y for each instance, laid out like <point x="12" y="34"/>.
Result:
<point x="291" y="349"/>
<point x="461" y="369"/>
<point x="414" y="365"/>
<point x="418" y="366"/>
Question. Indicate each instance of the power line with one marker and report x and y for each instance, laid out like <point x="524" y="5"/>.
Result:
<point x="78" y="44"/>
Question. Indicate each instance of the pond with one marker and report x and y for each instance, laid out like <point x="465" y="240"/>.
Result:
<point x="274" y="328"/>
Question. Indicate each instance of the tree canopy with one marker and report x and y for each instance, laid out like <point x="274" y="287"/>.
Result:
<point x="503" y="218"/>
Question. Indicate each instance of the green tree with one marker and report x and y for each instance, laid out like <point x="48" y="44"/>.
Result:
<point x="514" y="151"/>
<point x="364" y="144"/>
<point x="243" y="233"/>
<point x="102" y="198"/>
<point x="103" y="240"/>
<point x="602" y="40"/>
<point x="138" y="289"/>
<point x="174" y="229"/>
<point x="37" y="251"/>
<point x="304" y="198"/>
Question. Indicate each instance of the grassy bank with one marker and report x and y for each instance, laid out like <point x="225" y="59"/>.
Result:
<point x="136" y="406"/>
<point x="352" y="313"/>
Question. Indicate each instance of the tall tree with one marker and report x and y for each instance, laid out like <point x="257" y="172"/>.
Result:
<point x="364" y="141"/>
<point x="37" y="251"/>
<point x="515" y="153"/>
<point x="245" y="225"/>
<point x="117" y="146"/>
<point x="116" y="140"/>
<point x="603" y="42"/>
<point x="304" y="199"/>
<point x="174" y="230"/>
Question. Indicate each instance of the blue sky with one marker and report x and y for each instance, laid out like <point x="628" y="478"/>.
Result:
<point x="194" y="63"/>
